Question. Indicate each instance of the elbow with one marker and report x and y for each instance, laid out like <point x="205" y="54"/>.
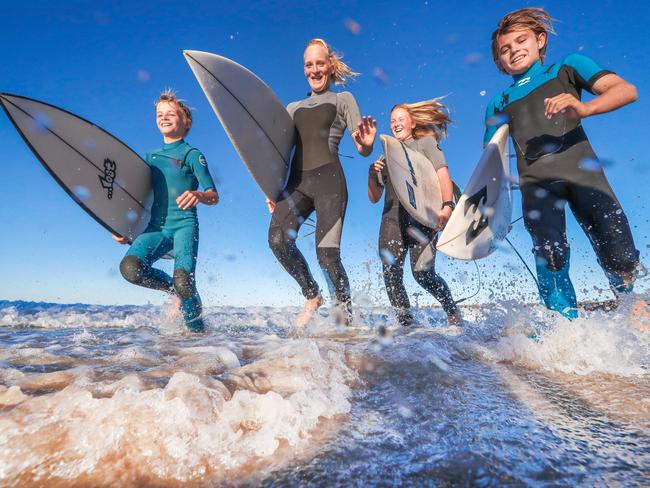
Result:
<point x="633" y="93"/>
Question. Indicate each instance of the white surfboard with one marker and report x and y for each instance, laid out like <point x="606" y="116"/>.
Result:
<point x="99" y="172"/>
<point x="482" y="216"/>
<point x="255" y="120"/>
<point x="415" y="181"/>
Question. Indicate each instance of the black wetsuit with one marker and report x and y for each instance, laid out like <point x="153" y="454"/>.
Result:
<point x="400" y="233"/>
<point x="316" y="183"/>
<point x="557" y="165"/>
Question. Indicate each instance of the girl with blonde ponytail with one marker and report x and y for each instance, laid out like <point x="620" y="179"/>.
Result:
<point x="316" y="182"/>
<point x="419" y="126"/>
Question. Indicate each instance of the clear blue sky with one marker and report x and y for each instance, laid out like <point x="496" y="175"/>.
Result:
<point x="108" y="60"/>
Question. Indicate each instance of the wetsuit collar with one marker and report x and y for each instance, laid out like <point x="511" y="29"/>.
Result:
<point x="173" y="145"/>
<point x="529" y="73"/>
<point x="312" y="94"/>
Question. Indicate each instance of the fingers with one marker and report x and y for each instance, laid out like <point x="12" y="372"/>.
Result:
<point x="270" y="204"/>
<point x="378" y="166"/>
<point x="559" y="103"/>
<point x="187" y="200"/>
<point x="120" y="239"/>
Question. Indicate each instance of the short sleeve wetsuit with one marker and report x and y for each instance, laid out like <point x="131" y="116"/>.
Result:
<point x="316" y="183"/>
<point x="557" y="165"/>
<point x="175" y="168"/>
<point x="400" y="233"/>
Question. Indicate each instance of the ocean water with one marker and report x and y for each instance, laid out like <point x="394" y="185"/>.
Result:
<point x="123" y="396"/>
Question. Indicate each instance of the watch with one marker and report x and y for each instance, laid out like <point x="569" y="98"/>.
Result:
<point x="449" y="204"/>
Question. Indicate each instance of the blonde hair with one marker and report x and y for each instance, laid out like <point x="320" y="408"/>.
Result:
<point x="168" y="95"/>
<point x="430" y="117"/>
<point x="342" y="72"/>
<point x="536" y="19"/>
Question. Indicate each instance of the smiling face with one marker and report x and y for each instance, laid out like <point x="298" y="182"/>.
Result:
<point x="170" y="121"/>
<point x="318" y="68"/>
<point x="401" y="124"/>
<point x="519" y="49"/>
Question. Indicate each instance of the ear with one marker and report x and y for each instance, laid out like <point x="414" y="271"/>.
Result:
<point x="542" y="38"/>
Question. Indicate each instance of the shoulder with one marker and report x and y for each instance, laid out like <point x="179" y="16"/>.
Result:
<point x="429" y="142"/>
<point x="346" y="97"/>
<point x="576" y="60"/>
<point x="194" y="156"/>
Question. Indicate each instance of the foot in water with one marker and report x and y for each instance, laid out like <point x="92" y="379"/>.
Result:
<point x="640" y="316"/>
<point x="176" y="311"/>
<point x="454" y="318"/>
<point x="308" y="310"/>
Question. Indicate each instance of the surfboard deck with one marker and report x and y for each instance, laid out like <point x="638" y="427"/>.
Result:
<point x="481" y="219"/>
<point x="99" y="172"/>
<point x="415" y="181"/>
<point x="256" y="122"/>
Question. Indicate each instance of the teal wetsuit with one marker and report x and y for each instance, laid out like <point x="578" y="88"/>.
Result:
<point x="175" y="168"/>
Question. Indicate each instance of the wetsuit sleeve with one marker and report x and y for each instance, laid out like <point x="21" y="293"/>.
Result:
<point x="584" y="71"/>
<point x="430" y="148"/>
<point x="349" y="111"/>
<point x="490" y="126"/>
<point x="291" y="108"/>
<point x="197" y="162"/>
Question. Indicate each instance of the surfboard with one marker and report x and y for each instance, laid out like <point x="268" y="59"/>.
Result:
<point x="102" y="174"/>
<point x="415" y="181"/>
<point x="256" y="122"/>
<point x="482" y="216"/>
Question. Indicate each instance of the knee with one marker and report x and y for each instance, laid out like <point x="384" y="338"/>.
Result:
<point x="132" y="269"/>
<point x="277" y="238"/>
<point x="184" y="283"/>
<point x="424" y="278"/>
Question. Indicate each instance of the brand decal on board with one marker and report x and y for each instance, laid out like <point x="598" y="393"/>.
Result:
<point x="108" y="178"/>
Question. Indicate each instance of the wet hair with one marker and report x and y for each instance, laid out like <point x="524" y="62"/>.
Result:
<point x="536" y="19"/>
<point x="342" y="72"/>
<point x="430" y="117"/>
<point x="168" y="95"/>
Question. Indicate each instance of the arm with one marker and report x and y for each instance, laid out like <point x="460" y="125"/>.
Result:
<point x="209" y="195"/>
<point x="613" y="93"/>
<point x="362" y="129"/>
<point x="447" y="193"/>
<point x="375" y="188"/>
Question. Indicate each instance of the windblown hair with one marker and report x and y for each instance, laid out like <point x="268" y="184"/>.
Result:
<point x="342" y="72"/>
<point x="430" y="117"/>
<point x="168" y="95"/>
<point x="535" y="19"/>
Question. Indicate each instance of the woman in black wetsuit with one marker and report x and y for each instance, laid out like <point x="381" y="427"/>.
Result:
<point x="317" y="181"/>
<point x="419" y="126"/>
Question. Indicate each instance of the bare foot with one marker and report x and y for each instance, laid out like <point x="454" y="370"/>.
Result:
<point x="174" y="311"/>
<point x="454" y="318"/>
<point x="640" y="316"/>
<point x="308" y="310"/>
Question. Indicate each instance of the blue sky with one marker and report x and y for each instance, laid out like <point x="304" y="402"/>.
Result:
<point x="107" y="61"/>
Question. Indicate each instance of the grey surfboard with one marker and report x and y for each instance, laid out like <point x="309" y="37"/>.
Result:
<point x="98" y="171"/>
<point x="256" y="122"/>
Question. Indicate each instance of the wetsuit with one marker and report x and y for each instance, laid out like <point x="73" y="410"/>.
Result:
<point x="175" y="168"/>
<point x="557" y="165"/>
<point x="401" y="233"/>
<point x="316" y="183"/>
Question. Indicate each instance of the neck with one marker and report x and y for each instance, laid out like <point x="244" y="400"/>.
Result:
<point x="533" y="67"/>
<point x="171" y="139"/>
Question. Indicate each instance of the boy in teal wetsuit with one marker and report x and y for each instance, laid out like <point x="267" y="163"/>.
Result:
<point x="556" y="163"/>
<point x="177" y="170"/>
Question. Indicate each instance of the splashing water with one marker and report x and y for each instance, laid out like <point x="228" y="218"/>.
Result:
<point x="108" y="395"/>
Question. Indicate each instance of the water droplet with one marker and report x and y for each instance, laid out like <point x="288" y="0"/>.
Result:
<point x="387" y="256"/>
<point x="292" y="233"/>
<point x="534" y="215"/>
<point x="473" y="59"/>
<point x="590" y="165"/>
<point x="131" y="215"/>
<point x="482" y="93"/>
<point x="417" y="234"/>
<point x="81" y="192"/>
<point x="352" y="26"/>
<point x="143" y="76"/>
<point x="42" y="123"/>
<point x="541" y="193"/>
<point x="497" y="120"/>
<point x="381" y="76"/>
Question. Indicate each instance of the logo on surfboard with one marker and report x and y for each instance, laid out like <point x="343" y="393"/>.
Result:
<point x="480" y="197"/>
<point x="108" y="178"/>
